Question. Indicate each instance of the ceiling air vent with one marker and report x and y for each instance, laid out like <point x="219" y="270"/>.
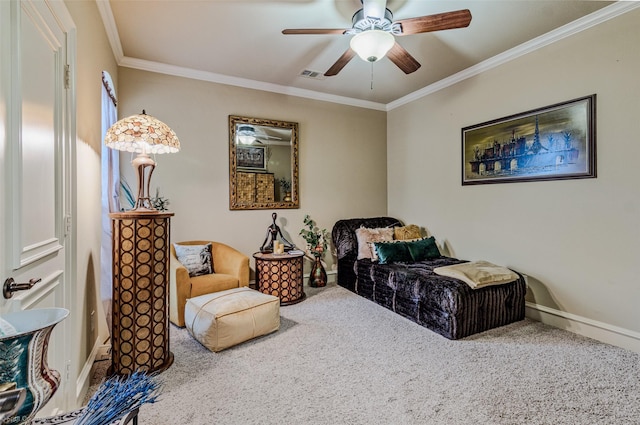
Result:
<point x="316" y="75"/>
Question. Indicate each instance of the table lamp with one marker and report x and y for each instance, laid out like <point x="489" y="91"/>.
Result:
<point x="144" y="135"/>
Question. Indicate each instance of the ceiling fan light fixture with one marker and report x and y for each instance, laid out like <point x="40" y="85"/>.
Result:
<point x="246" y="140"/>
<point x="246" y="135"/>
<point x="372" y="45"/>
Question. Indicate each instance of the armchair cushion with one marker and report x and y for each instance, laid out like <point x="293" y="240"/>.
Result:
<point x="216" y="282"/>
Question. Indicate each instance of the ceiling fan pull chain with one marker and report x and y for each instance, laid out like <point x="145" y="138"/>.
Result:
<point x="371" y="75"/>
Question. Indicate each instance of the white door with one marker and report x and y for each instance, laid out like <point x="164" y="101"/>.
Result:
<point x="36" y="151"/>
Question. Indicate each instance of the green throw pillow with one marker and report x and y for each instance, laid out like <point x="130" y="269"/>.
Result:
<point x="423" y="249"/>
<point x="392" y="252"/>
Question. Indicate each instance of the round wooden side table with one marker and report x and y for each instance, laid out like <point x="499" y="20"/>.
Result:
<point x="280" y="275"/>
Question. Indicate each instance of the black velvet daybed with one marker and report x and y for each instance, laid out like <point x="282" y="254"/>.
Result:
<point x="444" y="305"/>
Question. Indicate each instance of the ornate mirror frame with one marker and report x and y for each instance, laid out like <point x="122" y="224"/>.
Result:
<point x="244" y="194"/>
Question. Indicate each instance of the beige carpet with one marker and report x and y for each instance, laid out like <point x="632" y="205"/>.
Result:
<point x="340" y="359"/>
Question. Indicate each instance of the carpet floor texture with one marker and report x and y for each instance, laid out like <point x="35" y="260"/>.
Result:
<point x="341" y="359"/>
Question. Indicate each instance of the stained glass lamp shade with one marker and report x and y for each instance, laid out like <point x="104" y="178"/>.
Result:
<point x="144" y="135"/>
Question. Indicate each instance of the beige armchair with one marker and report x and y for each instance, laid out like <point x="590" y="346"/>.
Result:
<point x="231" y="270"/>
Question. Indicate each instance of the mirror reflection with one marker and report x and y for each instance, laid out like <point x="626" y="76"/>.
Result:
<point x="263" y="163"/>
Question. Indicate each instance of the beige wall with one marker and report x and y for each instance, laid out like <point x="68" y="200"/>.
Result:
<point x="578" y="240"/>
<point x="93" y="56"/>
<point x="342" y="157"/>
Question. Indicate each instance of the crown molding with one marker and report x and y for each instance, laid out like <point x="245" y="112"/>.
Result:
<point x="572" y="28"/>
<point x="586" y="22"/>
<point x="114" y="40"/>
<point x="195" y="74"/>
<point x="111" y="29"/>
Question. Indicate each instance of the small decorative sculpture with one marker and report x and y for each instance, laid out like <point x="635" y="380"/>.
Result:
<point x="273" y="231"/>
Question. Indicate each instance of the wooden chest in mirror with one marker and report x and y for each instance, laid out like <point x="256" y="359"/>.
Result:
<point x="263" y="164"/>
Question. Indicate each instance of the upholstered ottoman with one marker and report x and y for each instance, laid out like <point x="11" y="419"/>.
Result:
<point x="226" y="318"/>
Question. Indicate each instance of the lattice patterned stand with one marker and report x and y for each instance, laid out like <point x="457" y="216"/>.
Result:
<point x="280" y="275"/>
<point x="140" y="324"/>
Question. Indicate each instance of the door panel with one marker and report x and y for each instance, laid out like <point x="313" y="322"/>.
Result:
<point x="41" y="55"/>
<point x="35" y="160"/>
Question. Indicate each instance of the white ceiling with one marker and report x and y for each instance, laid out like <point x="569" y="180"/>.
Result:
<point x="240" y="42"/>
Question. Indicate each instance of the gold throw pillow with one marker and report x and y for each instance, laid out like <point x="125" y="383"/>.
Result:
<point x="407" y="232"/>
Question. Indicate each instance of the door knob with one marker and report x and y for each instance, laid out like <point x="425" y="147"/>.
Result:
<point x="10" y="286"/>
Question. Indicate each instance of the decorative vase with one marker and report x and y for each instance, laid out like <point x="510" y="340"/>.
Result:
<point x="23" y="359"/>
<point x="287" y="197"/>
<point x="317" y="276"/>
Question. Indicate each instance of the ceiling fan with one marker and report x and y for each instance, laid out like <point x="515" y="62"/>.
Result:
<point x="247" y="135"/>
<point x="373" y="33"/>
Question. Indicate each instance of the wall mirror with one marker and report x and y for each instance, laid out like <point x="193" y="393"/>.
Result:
<point x="263" y="164"/>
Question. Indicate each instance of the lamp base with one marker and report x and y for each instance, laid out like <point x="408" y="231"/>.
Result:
<point x="143" y="205"/>
<point x="144" y="166"/>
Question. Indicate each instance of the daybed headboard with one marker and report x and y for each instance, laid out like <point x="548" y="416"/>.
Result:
<point x="346" y="244"/>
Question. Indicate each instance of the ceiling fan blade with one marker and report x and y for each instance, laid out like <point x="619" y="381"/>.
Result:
<point x="314" y="31"/>
<point x="340" y="63"/>
<point x="441" y="21"/>
<point x="403" y="59"/>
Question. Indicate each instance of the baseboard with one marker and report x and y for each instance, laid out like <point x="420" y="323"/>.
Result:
<point x="84" y="378"/>
<point x="98" y="352"/>
<point x="104" y="352"/>
<point x="332" y="276"/>
<point x="600" y="331"/>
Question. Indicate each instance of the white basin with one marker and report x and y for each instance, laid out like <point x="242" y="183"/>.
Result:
<point x="26" y="321"/>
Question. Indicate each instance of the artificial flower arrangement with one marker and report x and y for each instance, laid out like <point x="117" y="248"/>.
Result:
<point x="317" y="240"/>
<point x="158" y="202"/>
<point x="285" y="184"/>
<point x="118" y="396"/>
